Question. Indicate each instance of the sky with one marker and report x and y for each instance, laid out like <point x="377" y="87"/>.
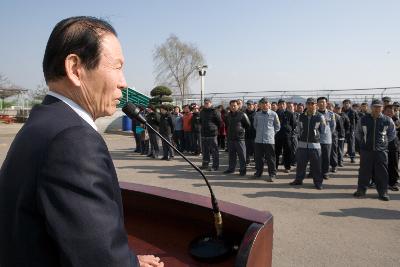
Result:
<point x="248" y="45"/>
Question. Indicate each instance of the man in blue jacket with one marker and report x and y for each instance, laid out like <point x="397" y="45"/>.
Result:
<point x="374" y="132"/>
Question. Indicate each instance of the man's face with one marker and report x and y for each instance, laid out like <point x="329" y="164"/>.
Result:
<point x="337" y="110"/>
<point x="101" y="87"/>
<point x="300" y="109"/>
<point x="376" y="110"/>
<point x="322" y="104"/>
<point x="176" y="110"/>
<point x="234" y="106"/>
<point x="282" y="105"/>
<point x="329" y="106"/>
<point x="290" y="107"/>
<point x="389" y="112"/>
<point x="163" y="111"/>
<point x="274" y="107"/>
<point x="346" y="105"/>
<point x="264" y="106"/>
<point x="364" y="108"/>
<point x="207" y="104"/>
<point x="311" y="107"/>
<point x="250" y="107"/>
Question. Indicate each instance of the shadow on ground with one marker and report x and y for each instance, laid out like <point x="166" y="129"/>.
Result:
<point x="367" y="213"/>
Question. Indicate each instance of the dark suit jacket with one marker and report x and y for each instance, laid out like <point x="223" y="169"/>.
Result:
<point x="60" y="201"/>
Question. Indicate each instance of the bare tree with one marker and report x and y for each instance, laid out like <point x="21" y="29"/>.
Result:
<point x="4" y="82"/>
<point x="40" y="92"/>
<point x="175" y="63"/>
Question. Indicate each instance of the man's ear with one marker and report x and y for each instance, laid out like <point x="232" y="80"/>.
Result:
<point x="73" y="69"/>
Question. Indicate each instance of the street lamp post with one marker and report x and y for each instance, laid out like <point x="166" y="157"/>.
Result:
<point x="202" y="73"/>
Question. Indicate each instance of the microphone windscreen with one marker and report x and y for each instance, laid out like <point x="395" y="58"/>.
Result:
<point x="133" y="112"/>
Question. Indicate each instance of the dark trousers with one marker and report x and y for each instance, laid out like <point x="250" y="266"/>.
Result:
<point x="249" y="149"/>
<point x="144" y="147"/>
<point x="178" y="139"/>
<point x="373" y="164"/>
<point x="312" y="155"/>
<point x="221" y="141"/>
<point x="284" y="142"/>
<point x="210" y="147"/>
<point x="265" y="152"/>
<point x="340" y="151"/>
<point x="154" y="148"/>
<point x="295" y="142"/>
<point x="237" y="148"/>
<point x="188" y="141"/>
<point x="168" y="152"/>
<point x="334" y="152"/>
<point x="196" y="142"/>
<point x="325" y="158"/>
<point x="393" y="167"/>
<point x="351" y="145"/>
<point x="137" y="141"/>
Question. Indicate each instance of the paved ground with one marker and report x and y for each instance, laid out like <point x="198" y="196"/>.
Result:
<point x="312" y="228"/>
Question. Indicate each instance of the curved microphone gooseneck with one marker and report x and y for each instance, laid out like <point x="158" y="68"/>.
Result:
<point x="203" y="248"/>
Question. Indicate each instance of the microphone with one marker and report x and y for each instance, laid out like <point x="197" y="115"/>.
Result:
<point x="204" y="248"/>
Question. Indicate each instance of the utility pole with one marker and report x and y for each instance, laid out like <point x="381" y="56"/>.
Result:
<point x="202" y="73"/>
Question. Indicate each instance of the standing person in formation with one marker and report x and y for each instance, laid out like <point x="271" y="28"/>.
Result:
<point x="222" y="128"/>
<point x="60" y="200"/>
<point x="311" y="124"/>
<point x="251" y="132"/>
<point x="363" y="110"/>
<point x="374" y="132"/>
<point x="326" y="136"/>
<point x="353" y="118"/>
<point x="166" y="130"/>
<point x="210" y="120"/>
<point x="187" y="129"/>
<point x="177" y="121"/>
<point x="292" y="107"/>
<point x="338" y="136"/>
<point x="153" y="118"/>
<point x="274" y="106"/>
<point x="393" y="154"/>
<point x="346" y="125"/>
<point x="266" y="124"/>
<point x="196" y="130"/>
<point x="237" y="122"/>
<point x="283" y="139"/>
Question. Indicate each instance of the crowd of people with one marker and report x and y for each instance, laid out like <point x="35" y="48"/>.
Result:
<point x="283" y="133"/>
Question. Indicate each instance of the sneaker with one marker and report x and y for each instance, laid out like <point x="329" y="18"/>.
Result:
<point x="228" y="171"/>
<point x="257" y="174"/>
<point x="296" y="182"/>
<point x="384" y="197"/>
<point x="333" y="170"/>
<point x="340" y="165"/>
<point x="359" y="194"/>
<point x="393" y="188"/>
<point x="318" y="186"/>
<point x="325" y="176"/>
<point x="352" y="160"/>
<point x="372" y="185"/>
<point x="242" y="173"/>
<point x="268" y="179"/>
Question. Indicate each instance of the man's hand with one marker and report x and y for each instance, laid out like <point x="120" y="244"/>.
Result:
<point x="150" y="261"/>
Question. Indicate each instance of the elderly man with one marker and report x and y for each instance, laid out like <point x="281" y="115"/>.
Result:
<point x="374" y="132"/>
<point x="266" y="124"/>
<point x="60" y="202"/>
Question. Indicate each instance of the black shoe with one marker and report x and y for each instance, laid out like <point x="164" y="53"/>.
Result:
<point x="215" y="168"/>
<point x="229" y="171"/>
<point x="384" y="197"/>
<point x="393" y="188"/>
<point x="272" y="176"/>
<point x="164" y="158"/>
<point x="340" y="165"/>
<point x="325" y="176"/>
<point x="242" y="173"/>
<point x="269" y="179"/>
<point x="371" y="185"/>
<point x="309" y="175"/>
<point x="352" y="160"/>
<point x="333" y="170"/>
<point x="257" y="174"/>
<point x="149" y="155"/>
<point x="204" y="167"/>
<point x="318" y="186"/>
<point x="296" y="182"/>
<point x="359" y="194"/>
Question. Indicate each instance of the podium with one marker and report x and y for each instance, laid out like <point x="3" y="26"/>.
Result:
<point x="163" y="222"/>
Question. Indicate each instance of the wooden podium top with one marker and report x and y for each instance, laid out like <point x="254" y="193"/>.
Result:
<point x="163" y="222"/>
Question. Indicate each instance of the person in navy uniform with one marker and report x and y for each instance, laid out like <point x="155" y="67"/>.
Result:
<point x="60" y="201"/>
<point x="311" y="124"/>
<point x="374" y="132"/>
<point x="166" y="130"/>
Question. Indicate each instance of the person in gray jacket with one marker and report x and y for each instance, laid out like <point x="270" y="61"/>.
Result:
<point x="374" y="132"/>
<point x="311" y="124"/>
<point x="326" y="136"/>
<point x="266" y="124"/>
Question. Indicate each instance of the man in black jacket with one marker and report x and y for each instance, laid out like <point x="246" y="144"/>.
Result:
<point x="153" y="118"/>
<point x="283" y="138"/>
<point x="210" y="120"/>
<point x="166" y="130"/>
<point x="251" y="132"/>
<point x="238" y="123"/>
<point x="353" y="117"/>
<point x="60" y="201"/>
<point x="196" y="130"/>
<point x="374" y="132"/>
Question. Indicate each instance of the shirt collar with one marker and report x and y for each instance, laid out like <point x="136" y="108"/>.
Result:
<point x="75" y="107"/>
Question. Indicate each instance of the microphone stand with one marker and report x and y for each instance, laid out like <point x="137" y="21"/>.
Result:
<point x="203" y="248"/>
